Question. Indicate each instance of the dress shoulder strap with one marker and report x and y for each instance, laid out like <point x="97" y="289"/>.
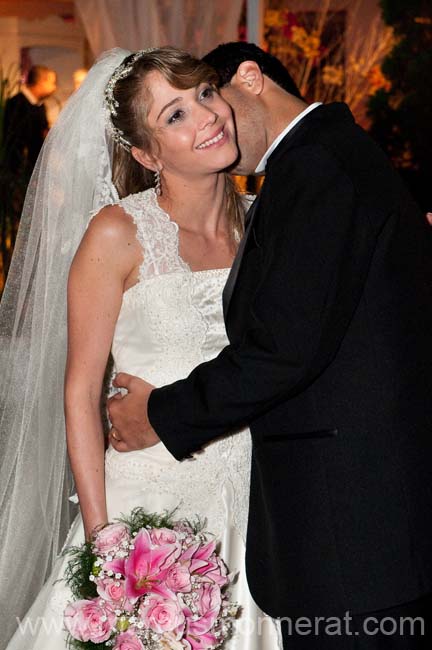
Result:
<point x="157" y="234"/>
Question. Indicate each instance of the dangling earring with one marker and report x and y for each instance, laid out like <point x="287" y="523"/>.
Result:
<point x="157" y="180"/>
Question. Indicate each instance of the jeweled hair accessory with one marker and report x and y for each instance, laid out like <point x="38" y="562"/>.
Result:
<point x="111" y="104"/>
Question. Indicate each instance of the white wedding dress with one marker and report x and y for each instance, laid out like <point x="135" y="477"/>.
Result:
<point x="169" y="322"/>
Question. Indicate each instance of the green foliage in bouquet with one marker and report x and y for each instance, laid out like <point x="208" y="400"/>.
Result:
<point x="140" y="518"/>
<point x="402" y="115"/>
<point x="80" y="566"/>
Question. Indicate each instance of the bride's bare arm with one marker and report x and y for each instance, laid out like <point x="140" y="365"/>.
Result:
<point x="103" y="267"/>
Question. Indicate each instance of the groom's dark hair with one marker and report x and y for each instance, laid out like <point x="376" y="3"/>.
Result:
<point x="226" y="58"/>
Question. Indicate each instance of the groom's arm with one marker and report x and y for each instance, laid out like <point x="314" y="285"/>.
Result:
<point x="322" y="244"/>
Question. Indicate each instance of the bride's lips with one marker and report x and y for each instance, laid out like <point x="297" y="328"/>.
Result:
<point x="216" y="140"/>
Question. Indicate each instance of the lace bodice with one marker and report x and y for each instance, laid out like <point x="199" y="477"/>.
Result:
<point x="170" y="322"/>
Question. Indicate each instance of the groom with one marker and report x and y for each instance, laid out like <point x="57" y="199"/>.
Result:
<point x="328" y="310"/>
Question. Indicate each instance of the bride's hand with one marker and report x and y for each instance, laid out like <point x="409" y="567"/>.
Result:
<point x="131" y="428"/>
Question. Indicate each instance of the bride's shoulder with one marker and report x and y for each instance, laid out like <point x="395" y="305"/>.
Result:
<point x="110" y="240"/>
<point x="111" y="222"/>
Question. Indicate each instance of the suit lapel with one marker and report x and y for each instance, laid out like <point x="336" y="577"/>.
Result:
<point x="232" y="278"/>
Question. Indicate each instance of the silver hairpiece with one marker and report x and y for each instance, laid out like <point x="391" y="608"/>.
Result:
<point x="111" y="104"/>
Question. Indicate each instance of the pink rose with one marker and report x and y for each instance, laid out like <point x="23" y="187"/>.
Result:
<point x="109" y="539"/>
<point x="161" y="614"/>
<point x="89" y="620"/>
<point x="128" y="641"/>
<point x="161" y="536"/>
<point x="111" y="589"/>
<point x="179" y="578"/>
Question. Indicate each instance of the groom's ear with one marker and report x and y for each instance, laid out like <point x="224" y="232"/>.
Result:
<point x="249" y="77"/>
<point x="145" y="159"/>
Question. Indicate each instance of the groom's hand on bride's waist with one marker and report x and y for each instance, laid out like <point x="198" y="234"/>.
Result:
<point x="131" y="428"/>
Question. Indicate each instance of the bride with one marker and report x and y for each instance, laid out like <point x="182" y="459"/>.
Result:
<point x="130" y="209"/>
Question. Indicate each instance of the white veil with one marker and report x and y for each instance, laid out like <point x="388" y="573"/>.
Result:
<point x="72" y="178"/>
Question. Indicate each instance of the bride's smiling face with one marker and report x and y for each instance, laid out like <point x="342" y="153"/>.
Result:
<point x="194" y="128"/>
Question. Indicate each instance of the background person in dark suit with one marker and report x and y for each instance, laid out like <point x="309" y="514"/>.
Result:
<point x="329" y="314"/>
<point x="25" y="120"/>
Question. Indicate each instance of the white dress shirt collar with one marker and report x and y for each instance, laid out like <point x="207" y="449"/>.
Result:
<point x="263" y="162"/>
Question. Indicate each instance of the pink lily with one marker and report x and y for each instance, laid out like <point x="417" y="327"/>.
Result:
<point x="117" y="565"/>
<point x="147" y="566"/>
<point x="197" y="632"/>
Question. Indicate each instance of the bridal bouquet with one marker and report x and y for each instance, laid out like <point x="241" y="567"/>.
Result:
<point x="148" y="583"/>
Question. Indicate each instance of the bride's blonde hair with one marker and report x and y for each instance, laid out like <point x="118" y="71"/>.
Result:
<point x="133" y="98"/>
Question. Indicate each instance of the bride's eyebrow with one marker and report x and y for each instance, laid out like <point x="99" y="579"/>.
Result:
<point x="167" y="106"/>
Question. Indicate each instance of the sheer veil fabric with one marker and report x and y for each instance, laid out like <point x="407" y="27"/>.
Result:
<point x="72" y="180"/>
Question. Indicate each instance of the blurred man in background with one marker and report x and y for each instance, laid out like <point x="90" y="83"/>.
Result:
<point x="25" y="121"/>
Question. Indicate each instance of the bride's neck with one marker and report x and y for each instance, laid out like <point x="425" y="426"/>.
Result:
<point x="197" y="205"/>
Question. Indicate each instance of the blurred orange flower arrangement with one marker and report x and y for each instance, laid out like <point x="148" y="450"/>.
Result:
<point x="330" y="61"/>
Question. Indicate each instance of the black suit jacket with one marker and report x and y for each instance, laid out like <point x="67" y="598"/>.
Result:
<point x="330" y="363"/>
<point x="25" y="127"/>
